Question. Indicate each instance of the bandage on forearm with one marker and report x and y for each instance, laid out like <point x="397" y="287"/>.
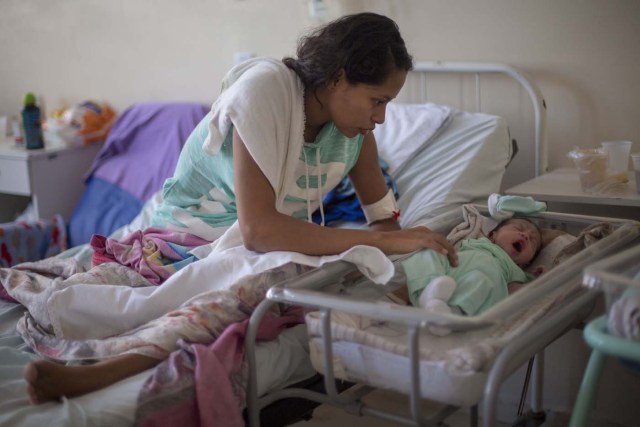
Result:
<point x="384" y="208"/>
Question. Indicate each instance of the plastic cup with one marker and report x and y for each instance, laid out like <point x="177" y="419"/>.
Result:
<point x="592" y="167"/>
<point x="635" y="159"/>
<point x="618" y="152"/>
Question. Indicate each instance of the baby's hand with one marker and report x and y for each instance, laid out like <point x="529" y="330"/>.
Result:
<point x="539" y="270"/>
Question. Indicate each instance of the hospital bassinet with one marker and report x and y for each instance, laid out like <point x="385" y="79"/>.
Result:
<point x="358" y="336"/>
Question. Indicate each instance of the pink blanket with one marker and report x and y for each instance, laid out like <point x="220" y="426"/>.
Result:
<point x="155" y="253"/>
<point x="203" y="385"/>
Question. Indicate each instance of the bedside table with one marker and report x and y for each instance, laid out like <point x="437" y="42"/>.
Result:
<point x="562" y="191"/>
<point x="52" y="178"/>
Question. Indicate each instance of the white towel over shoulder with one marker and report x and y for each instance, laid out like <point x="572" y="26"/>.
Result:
<point x="264" y="102"/>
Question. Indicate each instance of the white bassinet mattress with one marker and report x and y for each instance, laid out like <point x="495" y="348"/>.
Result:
<point x="453" y="369"/>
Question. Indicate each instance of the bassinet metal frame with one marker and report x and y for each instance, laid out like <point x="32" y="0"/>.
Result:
<point x="307" y="286"/>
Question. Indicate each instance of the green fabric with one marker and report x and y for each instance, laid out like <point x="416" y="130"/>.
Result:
<point x="482" y="275"/>
<point x="520" y="204"/>
<point x="202" y="185"/>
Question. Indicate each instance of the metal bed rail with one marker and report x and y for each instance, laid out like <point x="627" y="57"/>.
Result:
<point x="304" y="296"/>
<point x="479" y="68"/>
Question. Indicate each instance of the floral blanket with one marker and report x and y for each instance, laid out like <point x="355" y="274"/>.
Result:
<point x="191" y="339"/>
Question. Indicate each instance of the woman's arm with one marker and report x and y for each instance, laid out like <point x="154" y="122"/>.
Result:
<point x="369" y="183"/>
<point x="264" y="229"/>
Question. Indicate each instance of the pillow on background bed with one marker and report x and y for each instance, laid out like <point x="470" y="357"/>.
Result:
<point x="463" y="162"/>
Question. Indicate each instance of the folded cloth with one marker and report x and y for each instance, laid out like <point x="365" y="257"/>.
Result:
<point x="624" y="316"/>
<point x="473" y="226"/>
<point x="503" y="207"/>
<point x="586" y="238"/>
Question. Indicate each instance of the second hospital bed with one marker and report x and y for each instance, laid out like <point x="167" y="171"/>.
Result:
<point x="440" y="156"/>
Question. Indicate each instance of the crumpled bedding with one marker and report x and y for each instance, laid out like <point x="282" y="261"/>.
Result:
<point x="78" y="315"/>
<point x="155" y="253"/>
<point x="624" y="316"/>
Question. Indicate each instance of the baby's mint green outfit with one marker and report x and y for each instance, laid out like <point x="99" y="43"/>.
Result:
<point x="482" y="276"/>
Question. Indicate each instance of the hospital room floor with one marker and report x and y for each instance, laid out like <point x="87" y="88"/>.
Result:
<point x="326" y="415"/>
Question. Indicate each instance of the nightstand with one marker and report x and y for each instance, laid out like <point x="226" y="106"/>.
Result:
<point x="52" y="178"/>
<point x="562" y="191"/>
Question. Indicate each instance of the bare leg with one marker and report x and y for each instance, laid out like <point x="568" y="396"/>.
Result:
<point x="50" y="381"/>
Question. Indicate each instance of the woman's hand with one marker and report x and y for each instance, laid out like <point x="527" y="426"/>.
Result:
<point x="414" y="239"/>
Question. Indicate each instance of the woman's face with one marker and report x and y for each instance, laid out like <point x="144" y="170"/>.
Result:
<point x="359" y="108"/>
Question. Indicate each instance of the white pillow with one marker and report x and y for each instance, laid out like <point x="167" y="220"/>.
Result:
<point x="406" y="128"/>
<point x="464" y="162"/>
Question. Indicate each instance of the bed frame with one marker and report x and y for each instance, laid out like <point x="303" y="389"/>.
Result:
<point x="306" y="291"/>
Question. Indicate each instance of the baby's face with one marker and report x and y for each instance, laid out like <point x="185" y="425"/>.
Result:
<point x="518" y="238"/>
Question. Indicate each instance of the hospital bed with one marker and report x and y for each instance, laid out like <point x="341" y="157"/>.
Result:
<point x="439" y="155"/>
<point x="358" y="336"/>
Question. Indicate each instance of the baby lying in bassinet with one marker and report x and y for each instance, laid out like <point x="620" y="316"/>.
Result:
<point x="486" y="268"/>
<point x="494" y="260"/>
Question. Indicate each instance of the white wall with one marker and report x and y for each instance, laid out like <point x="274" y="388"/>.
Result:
<point x="585" y="56"/>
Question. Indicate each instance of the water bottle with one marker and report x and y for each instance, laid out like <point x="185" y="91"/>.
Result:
<point x="32" y="123"/>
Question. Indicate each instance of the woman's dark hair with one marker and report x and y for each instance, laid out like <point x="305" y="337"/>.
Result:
<point x="367" y="46"/>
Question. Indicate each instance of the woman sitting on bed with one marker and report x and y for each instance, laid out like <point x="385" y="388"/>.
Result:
<point x="489" y="269"/>
<point x="279" y="137"/>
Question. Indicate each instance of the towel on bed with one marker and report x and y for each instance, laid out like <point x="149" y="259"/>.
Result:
<point x="586" y="238"/>
<point x="473" y="226"/>
<point x="624" y="316"/>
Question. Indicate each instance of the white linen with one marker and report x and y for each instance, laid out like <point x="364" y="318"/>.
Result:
<point x="464" y="163"/>
<point x="624" y="316"/>
<point x="79" y="311"/>
<point x="406" y="128"/>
